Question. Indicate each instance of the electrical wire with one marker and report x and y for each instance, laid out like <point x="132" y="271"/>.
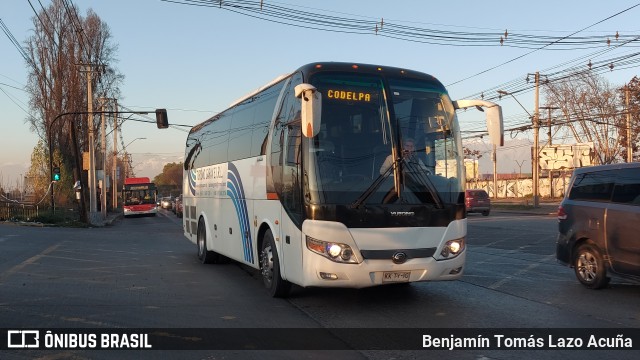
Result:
<point x="326" y="21"/>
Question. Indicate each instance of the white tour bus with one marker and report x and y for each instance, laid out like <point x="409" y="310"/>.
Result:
<point x="311" y="179"/>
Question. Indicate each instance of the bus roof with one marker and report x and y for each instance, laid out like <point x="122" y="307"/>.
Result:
<point x="312" y="68"/>
<point x="258" y="90"/>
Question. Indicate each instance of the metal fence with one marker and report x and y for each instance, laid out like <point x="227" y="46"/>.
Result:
<point x="11" y="211"/>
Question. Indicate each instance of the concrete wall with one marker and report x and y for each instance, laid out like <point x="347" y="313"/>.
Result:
<point x="520" y="188"/>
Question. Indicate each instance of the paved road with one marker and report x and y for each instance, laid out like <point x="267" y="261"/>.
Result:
<point x="142" y="272"/>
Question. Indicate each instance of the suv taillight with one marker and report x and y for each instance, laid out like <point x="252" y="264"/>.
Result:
<point x="561" y="214"/>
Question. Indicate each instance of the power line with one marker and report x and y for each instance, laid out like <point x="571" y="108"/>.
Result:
<point x="327" y="21"/>
<point x="44" y="27"/>
<point x="545" y="46"/>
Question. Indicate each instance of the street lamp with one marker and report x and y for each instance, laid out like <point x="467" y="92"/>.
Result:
<point x="502" y="92"/>
<point x="140" y="138"/>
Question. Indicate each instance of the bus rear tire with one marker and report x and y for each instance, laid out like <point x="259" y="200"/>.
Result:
<point x="205" y="256"/>
<point x="270" y="268"/>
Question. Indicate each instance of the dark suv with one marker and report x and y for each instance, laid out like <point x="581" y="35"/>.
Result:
<point x="599" y="223"/>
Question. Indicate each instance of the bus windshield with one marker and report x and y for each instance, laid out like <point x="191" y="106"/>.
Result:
<point x="139" y="194"/>
<point x="383" y="141"/>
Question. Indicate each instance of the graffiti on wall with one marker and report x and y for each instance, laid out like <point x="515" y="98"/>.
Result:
<point x="561" y="157"/>
<point x="518" y="188"/>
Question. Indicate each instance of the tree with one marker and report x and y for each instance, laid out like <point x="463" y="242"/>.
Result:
<point x="633" y="88"/>
<point x="475" y="155"/>
<point x="40" y="177"/>
<point x="61" y="40"/>
<point x="591" y="111"/>
<point x="171" y="177"/>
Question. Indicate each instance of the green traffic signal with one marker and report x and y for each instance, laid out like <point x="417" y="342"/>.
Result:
<point x="56" y="174"/>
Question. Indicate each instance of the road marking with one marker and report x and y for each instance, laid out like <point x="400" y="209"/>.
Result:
<point x="6" y="237"/>
<point x="29" y="261"/>
<point x="508" y="278"/>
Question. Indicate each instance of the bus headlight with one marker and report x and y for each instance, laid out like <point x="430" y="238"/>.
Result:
<point x="452" y="248"/>
<point x="341" y="253"/>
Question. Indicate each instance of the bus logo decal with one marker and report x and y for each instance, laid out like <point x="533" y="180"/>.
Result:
<point x="192" y="181"/>
<point x="236" y="193"/>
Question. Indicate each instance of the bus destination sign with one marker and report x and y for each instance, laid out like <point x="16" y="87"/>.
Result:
<point x="349" y="95"/>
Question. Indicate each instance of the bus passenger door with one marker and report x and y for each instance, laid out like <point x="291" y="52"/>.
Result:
<point x="292" y="210"/>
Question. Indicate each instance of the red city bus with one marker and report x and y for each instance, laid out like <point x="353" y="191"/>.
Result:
<point x="139" y="197"/>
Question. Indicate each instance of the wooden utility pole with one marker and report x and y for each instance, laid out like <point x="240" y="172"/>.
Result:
<point x="629" y="148"/>
<point x="103" y="140"/>
<point x="114" y="184"/>
<point x="93" y="201"/>
<point x="549" y="143"/>
<point x="93" y="206"/>
<point x="536" y="140"/>
<point x="494" y="157"/>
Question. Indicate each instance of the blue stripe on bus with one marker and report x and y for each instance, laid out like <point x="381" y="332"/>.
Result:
<point x="232" y="192"/>
<point x="192" y="181"/>
<point x="235" y="191"/>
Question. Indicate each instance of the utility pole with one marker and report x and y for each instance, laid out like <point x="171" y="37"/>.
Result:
<point x="549" y="108"/>
<point x="534" y="153"/>
<point x="114" y="186"/>
<point x="549" y="143"/>
<point x="103" y="140"/>
<point x="629" y="149"/>
<point x="494" y="157"/>
<point x="93" y="208"/>
<point x="519" y="176"/>
<point x="536" y="139"/>
<point x="92" y="158"/>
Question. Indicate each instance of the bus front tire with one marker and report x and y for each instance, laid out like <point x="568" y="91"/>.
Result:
<point x="270" y="268"/>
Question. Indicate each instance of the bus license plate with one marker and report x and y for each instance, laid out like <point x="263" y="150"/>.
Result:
<point x="396" y="276"/>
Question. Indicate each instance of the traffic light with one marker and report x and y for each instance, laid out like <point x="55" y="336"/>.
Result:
<point x="161" y="118"/>
<point x="56" y="174"/>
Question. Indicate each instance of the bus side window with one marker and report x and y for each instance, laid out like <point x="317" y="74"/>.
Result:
<point x="291" y="190"/>
<point x="265" y="106"/>
<point x="290" y="144"/>
<point x="284" y="116"/>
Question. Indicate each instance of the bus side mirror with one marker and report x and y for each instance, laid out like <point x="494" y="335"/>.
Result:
<point x="161" y="118"/>
<point x="493" y="113"/>
<point x="311" y="109"/>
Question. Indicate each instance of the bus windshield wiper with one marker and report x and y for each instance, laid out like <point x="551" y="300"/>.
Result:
<point x="422" y="178"/>
<point x="375" y="184"/>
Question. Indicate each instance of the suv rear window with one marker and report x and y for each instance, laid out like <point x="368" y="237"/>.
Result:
<point x="480" y="194"/>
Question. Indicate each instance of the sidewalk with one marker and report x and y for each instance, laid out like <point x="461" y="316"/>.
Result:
<point x="98" y="221"/>
<point x="525" y="206"/>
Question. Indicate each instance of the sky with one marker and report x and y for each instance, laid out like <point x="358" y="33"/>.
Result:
<point x="195" y="61"/>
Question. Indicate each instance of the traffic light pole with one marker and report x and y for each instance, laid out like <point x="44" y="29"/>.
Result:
<point x="161" y="121"/>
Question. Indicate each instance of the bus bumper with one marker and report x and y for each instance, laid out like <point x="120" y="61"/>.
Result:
<point x="419" y="255"/>
<point x="379" y="272"/>
<point x="129" y="212"/>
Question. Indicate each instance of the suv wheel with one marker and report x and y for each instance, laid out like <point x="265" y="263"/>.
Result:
<point x="589" y="267"/>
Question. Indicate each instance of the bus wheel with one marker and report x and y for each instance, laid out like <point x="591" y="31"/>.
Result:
<point x="205" y="256"/>
<point x="270" y="268"/>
